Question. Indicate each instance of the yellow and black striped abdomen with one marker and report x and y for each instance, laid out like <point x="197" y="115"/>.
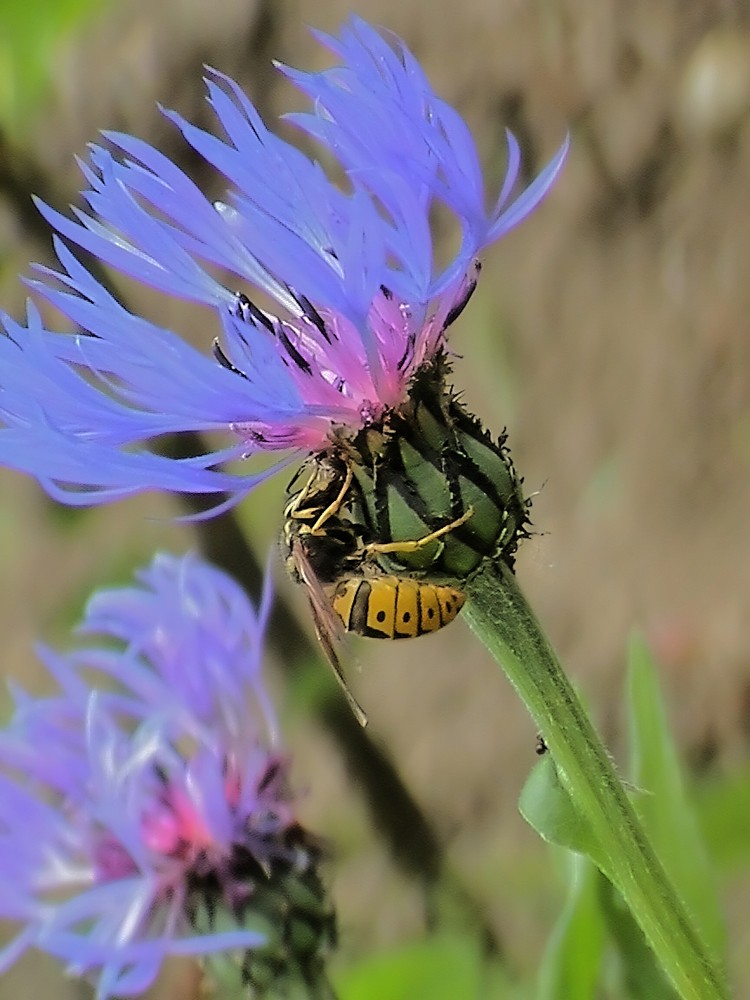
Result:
<point x="394" y="607"/>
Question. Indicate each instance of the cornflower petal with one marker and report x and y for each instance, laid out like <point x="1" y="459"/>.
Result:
<point x="153" y="778"/>
<point x="348" y="265"/>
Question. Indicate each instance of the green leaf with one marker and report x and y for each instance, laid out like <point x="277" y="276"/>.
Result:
<point x="640" y="974"/>
<point x="31" y="35"/>
<point x="444" y="967"/>
<point x="572" y="960"/>
<point x="662" y="802"/>
<point x="723" y="805"/>
<point x="547" y="807"/>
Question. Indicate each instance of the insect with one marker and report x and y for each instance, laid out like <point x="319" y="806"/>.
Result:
<point x="392" y="607"/>
<point x="330" y="553"/>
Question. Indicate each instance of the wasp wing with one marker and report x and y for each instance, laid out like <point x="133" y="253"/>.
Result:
<point x="328" y="626"/>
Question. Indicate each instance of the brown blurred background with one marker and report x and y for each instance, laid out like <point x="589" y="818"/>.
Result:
<point x="610" y="334"/>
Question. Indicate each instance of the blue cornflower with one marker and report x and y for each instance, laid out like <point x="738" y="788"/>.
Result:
<point x="360" y="302"/>
<point x="152" y="789"/>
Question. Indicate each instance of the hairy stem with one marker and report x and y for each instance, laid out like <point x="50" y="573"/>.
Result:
<point x="500" y="616"/>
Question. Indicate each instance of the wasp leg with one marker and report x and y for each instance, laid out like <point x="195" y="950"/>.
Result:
<point x="379" y="548"/>
<point x="297" y="510"/>
<point x="294" y="508"/>
<point x="333" y="508"/>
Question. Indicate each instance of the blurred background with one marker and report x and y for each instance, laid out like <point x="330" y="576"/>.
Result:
<point x="609" y="333"/>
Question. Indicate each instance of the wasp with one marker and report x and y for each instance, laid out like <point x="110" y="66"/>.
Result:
<point x="329" y="551"/>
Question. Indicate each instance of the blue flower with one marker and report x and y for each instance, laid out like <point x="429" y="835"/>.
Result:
<point x="360" y="301"/>
<point x="154" y="777"/>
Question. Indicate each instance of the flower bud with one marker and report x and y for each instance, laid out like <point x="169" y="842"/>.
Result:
<point x="428" y="465"/>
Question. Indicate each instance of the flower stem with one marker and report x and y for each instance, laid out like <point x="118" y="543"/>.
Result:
<point x="499" y="614"/>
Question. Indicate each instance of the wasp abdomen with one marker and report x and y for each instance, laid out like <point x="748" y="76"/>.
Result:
<point x="392" y="607"/>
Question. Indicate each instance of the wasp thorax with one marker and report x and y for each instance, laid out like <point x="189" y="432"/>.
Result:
<point x="431" y="465"/>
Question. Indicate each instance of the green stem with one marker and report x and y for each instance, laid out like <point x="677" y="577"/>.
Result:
<point x="500" y="616"/>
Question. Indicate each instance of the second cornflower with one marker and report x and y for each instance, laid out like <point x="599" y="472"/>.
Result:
<point x="145" y="808"/>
